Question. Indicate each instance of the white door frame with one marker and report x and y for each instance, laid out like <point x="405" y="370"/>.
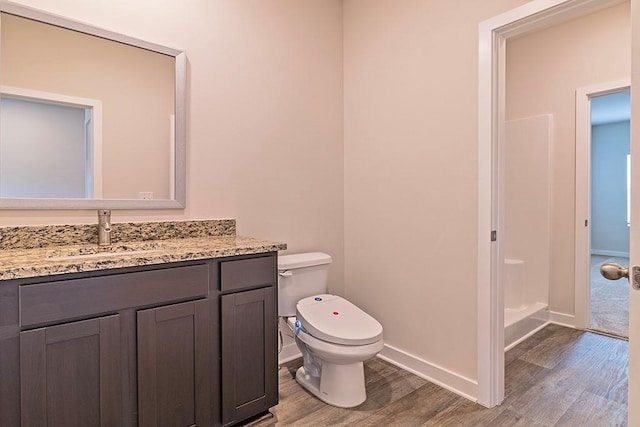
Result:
<point x="583" y="193"/>
<point x="493" y="34"/>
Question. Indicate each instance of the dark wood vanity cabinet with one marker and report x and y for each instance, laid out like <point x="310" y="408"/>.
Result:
<point x="150" y="346"/>
<point x="174" y="363"/>
<point x="249" y="349"/>
<point x="249" y="354"/>
<point x="70" y="374"/>
<point x="119" y="348"/>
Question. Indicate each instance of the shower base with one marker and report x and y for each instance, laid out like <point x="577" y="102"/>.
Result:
<point x="521" y="323"/>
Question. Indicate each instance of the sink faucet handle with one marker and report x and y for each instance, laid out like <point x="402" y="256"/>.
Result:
<point x="104" y="227"/>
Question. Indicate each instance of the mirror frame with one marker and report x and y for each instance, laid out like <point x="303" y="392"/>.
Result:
<point x="179" y="190"/>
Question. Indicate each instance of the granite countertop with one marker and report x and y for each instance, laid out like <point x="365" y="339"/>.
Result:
<point x="138" y="244"/>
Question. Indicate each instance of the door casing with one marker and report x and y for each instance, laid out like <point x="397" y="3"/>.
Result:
<point x="493" y="34"/>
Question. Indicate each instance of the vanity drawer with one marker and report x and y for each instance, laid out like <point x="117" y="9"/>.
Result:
<point x="47" y="303"/>
<point x="248" y="273"/>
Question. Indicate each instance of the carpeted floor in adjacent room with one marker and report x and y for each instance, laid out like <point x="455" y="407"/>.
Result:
<point x="609" y="299"/>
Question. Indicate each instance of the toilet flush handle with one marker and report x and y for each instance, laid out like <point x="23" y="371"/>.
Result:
<point x="285" y="273"/>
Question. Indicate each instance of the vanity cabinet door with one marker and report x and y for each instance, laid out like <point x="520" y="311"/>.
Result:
<point x="249" y="353"/>
<point x="174" y="365"/>
<point x="70" y="374"/>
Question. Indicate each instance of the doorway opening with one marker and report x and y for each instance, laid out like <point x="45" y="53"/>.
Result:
<point x="493" y="36"/>
<point x="602" y="205"/>
<point x="609" y="210"/>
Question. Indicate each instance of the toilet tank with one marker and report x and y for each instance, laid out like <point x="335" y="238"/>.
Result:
<point x="300" y="276"/>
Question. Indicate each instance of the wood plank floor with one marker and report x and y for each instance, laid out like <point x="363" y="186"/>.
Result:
<point x="558" y="377"/>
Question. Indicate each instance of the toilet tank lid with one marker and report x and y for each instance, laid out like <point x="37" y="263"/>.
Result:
<point x="309" y="259"/>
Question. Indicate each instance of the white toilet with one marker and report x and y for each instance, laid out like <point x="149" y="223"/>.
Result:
<point x="334" y="336"/>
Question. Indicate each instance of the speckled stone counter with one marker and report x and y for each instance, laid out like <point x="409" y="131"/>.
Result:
<point x="51" y="250"/>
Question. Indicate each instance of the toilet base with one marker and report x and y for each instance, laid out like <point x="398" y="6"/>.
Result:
<point x="338" y="385"/>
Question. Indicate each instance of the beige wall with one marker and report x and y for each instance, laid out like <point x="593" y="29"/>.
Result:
<point x="411" y="73"/>
<point x="544" y="69"/>
<point x="264" y="114"/>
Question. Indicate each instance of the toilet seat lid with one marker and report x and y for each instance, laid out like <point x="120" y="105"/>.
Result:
<point x="336" y="320"/>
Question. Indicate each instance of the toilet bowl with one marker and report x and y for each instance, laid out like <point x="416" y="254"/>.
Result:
<point x="334" y="336"/>
<point x="335" y="348"/>
<point x="337" y="353"/>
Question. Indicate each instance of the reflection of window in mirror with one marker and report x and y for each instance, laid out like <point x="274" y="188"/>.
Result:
<point x="50" y="145"/>
<point x="43" y="150"/>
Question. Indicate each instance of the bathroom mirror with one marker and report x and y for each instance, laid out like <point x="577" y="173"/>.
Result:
<point x="89" y="118"/>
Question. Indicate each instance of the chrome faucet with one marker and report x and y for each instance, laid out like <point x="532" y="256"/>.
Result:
<point x="104" y="227"/>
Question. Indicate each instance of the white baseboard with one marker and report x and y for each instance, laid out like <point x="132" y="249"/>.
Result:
<point x="562" y="319"/>
<point x="443" y="377"/>
<point x="609" y="253"/>
<point x="431" y="372"/>
<point x="288" y="353"/>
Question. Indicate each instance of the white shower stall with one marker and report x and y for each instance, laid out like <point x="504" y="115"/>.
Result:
<point x="527" y="237"/>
